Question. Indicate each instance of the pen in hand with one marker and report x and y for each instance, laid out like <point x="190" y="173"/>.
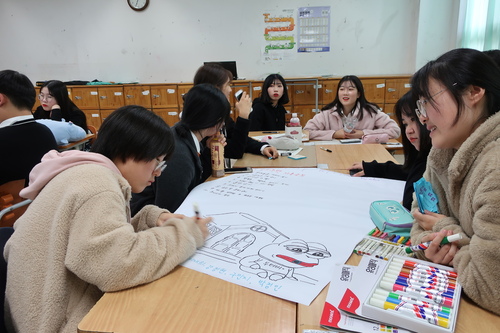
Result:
<point x="424" y="246"/>
<point x="196" y="210"/>
<point x="325" y="149"/>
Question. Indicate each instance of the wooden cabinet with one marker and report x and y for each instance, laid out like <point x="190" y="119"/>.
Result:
<point x="328" y="92"/>
<point x="171" y="116"/>
<point x="85" y="97"/>
<point x="37" y="101"/>
<point x="374" y="90"/>
<point x="137" y="95"/>
<point x="182" y="89"/>
<point x="396" y="88"/>
<point x="111" y="97"/>
<point x="164" y="96"/>
<point x="93" y="117"/>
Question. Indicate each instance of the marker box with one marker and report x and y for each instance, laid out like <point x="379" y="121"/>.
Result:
<point x="416" y="312"/>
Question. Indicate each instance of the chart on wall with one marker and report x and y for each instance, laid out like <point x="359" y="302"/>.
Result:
<point x="313" y="29"/>
<point x="278" y="40"/>
<point x="280" y="231"/>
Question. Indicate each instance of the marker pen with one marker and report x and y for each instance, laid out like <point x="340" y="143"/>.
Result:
<point x="418" y="273"/>
<point x="445" y="291"/>
<point x="432" y="319"/>
<point x="421" y="280"/>
<point x="196" y="210"/>
<point x="422" y="277"/>
<point x="413" y="265"/>
<point x="414" y="307"/>
<point x="431" y="295"/>
<point x="413" y="300"/>
<point x="424" y="246"/>
<point x="325" y="149"/>
<point x="399" y="284"/>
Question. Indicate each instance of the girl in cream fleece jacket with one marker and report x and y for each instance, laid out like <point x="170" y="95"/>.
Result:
<point x="77" y="240"/>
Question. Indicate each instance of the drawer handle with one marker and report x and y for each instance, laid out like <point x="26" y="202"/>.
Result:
<point x="299" y="91"/>
<point x="391" y="89"/>
<point x="328" y="91"/>
<point x="104" y="97"/>
<point x="130" y="96"/>
<point x="156" y="96"/>
<point x="78" y="97"/>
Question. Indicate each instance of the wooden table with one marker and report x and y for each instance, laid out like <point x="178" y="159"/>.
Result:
<point x="189" y="301"/>
<point x="77" y="144"/>
<point x="260" y="161"/>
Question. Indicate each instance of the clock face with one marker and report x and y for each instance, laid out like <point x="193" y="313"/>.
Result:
<point x="138" y="4"/>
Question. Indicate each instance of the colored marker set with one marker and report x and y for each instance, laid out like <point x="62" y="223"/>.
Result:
<point x="383" y="245"/>
<point x="417" y="295"/>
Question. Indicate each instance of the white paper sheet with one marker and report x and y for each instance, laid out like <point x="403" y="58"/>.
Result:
<point x="280" y="231"/>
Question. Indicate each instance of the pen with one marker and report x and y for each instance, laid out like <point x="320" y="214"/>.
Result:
<point x="270" y="132"/>
<point x="196" y="210"/>
<point x="325" y="149"/>
<point x="425" y="245"/>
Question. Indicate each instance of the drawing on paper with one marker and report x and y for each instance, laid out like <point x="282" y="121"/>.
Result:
<point x="256" y="247"/>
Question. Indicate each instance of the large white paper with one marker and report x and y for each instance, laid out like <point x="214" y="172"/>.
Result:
<point x="280" y="231"/>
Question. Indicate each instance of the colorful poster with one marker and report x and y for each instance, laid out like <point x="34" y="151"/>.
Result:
<point x="279" y="35"/>
<point x="314" y="29"/>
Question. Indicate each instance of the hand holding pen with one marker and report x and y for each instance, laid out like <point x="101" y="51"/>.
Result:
<point x="201" y="222"/>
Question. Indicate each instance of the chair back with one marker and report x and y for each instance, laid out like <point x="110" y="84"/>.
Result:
<point x="92" y="130"/>
<point x="9" y="196"/>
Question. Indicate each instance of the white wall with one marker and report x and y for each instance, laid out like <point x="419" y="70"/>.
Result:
<point x="106" y="40"/>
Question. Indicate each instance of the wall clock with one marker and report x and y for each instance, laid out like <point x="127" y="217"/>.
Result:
<point x="138" y="4"/>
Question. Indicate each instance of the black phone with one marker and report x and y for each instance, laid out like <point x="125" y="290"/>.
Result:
<point x="354" y="171"/>
<point x="238" y="94"/>
<point x="238" y="170"/>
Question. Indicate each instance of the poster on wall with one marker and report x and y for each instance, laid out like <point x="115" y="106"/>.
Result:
<point x="313" y="29"/>
<point x="278" y="40"/>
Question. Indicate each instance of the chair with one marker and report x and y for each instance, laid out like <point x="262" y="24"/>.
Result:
<point x="12" y="206"/>
<point x="5" y="234"/>
<point x="92" y="130"/>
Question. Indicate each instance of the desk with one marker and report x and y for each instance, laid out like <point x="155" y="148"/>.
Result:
<point x="260" y="161"/>
<point x="77" y="144"/>
<point x="189" y="301"/>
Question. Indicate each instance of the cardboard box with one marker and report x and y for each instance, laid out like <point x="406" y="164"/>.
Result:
<point x="407" y="316"/>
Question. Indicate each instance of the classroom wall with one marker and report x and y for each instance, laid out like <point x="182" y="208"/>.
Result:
<point x="106" y="40"/>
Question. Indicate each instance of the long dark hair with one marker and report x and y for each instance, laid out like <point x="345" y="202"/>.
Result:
<point x="59" y="91"/>
<point x="264" y="95"/>
<point x="134" y="132"/>
<point x="457" y="70"/>
<point x="214" y="74"/>
<point x="363" y="103"/>
<point x="18" y="88"/>
<point x="406" y="106"/>
<point x="205" y="106"/>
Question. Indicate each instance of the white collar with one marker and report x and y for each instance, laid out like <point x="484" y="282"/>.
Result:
<point x="196" y="142"/>
<point x="10" y="121"/>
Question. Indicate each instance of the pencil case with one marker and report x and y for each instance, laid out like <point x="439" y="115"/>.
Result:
<point x="391" y="217"/>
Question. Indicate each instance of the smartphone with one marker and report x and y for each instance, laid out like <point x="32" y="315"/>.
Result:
<point x="238" y="94"/>
<point x="354" y="171"/>
<point x="238" y="170"/>
<point x="350" y="140"/>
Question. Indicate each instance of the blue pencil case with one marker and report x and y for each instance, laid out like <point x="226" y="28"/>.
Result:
<point x="391" y="217"/>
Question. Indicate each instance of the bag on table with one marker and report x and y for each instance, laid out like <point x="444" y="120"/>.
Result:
<point x="391" y="217"/>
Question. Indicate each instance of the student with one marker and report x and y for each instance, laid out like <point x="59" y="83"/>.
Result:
<point x="237" y="140"/>
<point x="203" y="114"/>
<point x="459" y="100"/>
<point x="268" y="111"/>
<point x="416" y="147"/>
<point x="77" y="240"/>
<point x="56" y="105"/>
<point x="23" y="141"/>
<point x="350" y="100"/>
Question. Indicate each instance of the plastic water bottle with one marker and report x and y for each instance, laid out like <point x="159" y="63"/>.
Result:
<point x="294" y="128"/>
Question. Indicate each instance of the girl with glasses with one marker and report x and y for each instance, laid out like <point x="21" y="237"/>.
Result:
<point x="56" y="105"/>
<point x="349" y="103"/>
<point x="459" y="96"/>
<point x="77" y="240"/>
<point x="416" y="147"/>
<point x="205" y="109"/>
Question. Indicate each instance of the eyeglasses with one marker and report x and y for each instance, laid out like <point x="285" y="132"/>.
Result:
<point x="420" y="110"/>
<point x="160" y="166"/>
<point x="46" y="97"/>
